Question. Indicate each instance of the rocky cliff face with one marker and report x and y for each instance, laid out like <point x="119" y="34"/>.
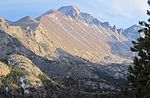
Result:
<point x="19" y="76"/>
<point x="87" y="39"/>
<point x="64" y="45"/>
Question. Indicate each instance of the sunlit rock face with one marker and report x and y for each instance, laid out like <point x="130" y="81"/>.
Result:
<point x="88" y="37"/>
<point x="66" y="43"/>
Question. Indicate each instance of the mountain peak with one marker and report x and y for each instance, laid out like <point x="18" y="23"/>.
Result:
<point x="72" y="11"/>
<point x="27" y="21"/>
<point x="135" y="25"/>
<point x="114" y="29"/>
<point x="132" y="32"/>
<point x="106" y="25"/>
<point x="133" y="28"/>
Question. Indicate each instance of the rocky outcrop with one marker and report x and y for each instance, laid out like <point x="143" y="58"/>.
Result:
<point x="24" y="79"/>
<point x="4" y="69"/>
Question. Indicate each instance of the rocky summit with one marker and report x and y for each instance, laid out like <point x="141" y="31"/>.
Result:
<point x="64" y="53"/>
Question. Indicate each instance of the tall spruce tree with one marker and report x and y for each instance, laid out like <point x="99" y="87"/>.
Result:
<point x="139" y="71"/>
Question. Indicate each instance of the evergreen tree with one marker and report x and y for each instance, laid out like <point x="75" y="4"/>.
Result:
<point x="139" y="71"/>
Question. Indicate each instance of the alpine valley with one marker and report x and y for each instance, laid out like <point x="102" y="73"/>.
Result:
<point x="64" y="53"/>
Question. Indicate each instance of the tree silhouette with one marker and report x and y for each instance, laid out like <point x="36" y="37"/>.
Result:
<point x="139" y="71"/>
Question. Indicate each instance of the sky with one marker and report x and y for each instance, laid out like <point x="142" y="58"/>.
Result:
<point x="122" y="13"/>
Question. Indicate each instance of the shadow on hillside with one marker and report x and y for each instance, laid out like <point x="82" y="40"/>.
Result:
<point x="121" y="48"/>
<point x="66" y="65"/>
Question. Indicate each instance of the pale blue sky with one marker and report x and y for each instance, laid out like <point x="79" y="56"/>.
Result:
<point x="122" y="13"/>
